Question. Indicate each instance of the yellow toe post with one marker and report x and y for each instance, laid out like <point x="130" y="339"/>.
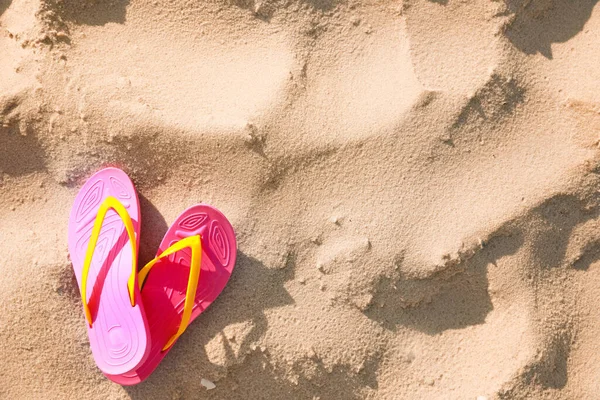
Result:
<point x="195" y="244"/>
<point x="108" y="203"/>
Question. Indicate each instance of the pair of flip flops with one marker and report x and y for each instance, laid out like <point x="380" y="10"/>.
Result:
<point x="134" y="318"/>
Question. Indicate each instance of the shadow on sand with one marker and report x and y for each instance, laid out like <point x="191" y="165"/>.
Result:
<point x="252" y="290"/>
<point x="91" y="12"/>
<point x="539" y="23"/>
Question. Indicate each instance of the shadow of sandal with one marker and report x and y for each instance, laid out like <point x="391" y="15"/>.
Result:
<point x="153" y="230"/>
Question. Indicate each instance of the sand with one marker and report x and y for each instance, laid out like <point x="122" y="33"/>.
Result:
<point x="414" y="185"/>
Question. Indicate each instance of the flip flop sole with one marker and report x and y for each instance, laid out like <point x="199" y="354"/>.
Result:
<point x="119" y="332"/>
<point x="164" y="291"/>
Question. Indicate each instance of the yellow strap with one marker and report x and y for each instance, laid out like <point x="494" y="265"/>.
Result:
<point x="108" y="203"/>
<point x="194" y="243"/>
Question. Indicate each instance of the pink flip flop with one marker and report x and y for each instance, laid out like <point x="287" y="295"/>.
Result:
<point x="104" y="228"/>
<point x="192" y="267"/>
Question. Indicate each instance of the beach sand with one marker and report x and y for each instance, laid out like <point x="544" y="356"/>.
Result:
<point x="414" y="186"/>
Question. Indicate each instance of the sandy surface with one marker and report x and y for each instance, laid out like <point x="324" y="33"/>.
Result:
<point x="414" y="186"/>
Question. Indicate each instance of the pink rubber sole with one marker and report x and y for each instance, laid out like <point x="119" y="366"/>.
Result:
<point x="119" y="333"/>
<point x="165" y="288"/>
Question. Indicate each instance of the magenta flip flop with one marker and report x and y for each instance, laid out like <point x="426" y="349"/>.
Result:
<point x="193" y="264"/>
<point x="104" y="228"/>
